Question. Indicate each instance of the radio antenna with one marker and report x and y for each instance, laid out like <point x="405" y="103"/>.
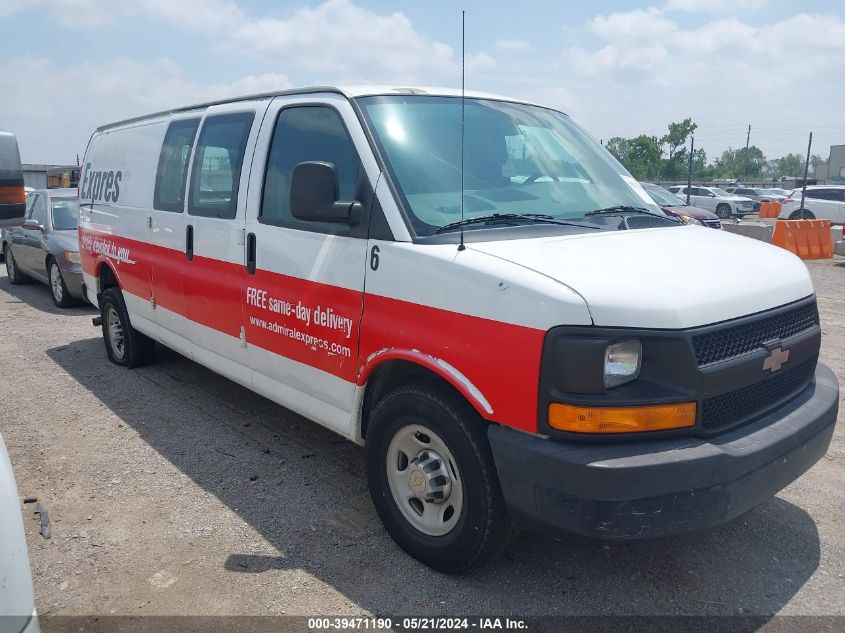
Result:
<point x="463" y="82"/>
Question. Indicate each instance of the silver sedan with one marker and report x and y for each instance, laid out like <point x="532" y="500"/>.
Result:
<point x="45" y="247"/>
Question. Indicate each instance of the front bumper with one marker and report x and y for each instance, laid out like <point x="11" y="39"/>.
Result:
<point x="72" y="274"/>
<point x="651" y="488"/>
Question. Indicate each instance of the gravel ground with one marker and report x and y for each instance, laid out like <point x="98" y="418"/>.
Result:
<point x="174" y="491"/>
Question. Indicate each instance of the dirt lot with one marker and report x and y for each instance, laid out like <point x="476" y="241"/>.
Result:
<point x="174" y="491"/>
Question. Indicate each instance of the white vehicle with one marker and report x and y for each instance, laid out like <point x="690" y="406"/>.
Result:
<point x="822" y="202"/>
<point x="717" y="200"/>
<point x="511" y="326"/>
<point x="17" y="598"/>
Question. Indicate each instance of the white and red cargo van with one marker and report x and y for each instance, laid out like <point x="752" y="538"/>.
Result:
<point x="475" y="290"/>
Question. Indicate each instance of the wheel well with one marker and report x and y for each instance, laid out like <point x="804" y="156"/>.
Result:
<point x="391" y="375"/>
<point x="107" y="278"/>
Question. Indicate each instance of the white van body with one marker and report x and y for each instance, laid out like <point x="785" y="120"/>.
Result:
<point x="329" y="319"/>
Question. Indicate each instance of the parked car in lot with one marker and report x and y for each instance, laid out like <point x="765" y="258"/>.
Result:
<point x="527" y="341"/>
<point x="674" y="206"/>
<point x="46" y="246"/>
<point x="722" y="203"/>
<point x="825" y="202"/>
<point x="758" y="194"/>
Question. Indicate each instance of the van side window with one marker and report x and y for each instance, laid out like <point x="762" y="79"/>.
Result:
<point x="216" y="172"/>
<point x="306" y="133"/>
<point x="173" y="165"/>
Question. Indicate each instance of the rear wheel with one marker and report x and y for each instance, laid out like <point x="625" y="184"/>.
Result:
<point x="802" y="214"/>
<point x="723" y="211"/>
<point x="58" y="288"/>
<point x="432" y="478"/>
<point x="124" y="345"/>
<point x="16" y="277"/>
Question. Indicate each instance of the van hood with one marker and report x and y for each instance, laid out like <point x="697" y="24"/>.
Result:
<point x="673" y="278"/>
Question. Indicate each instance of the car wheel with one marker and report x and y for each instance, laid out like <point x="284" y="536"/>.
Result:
<point x="723" y="211"/>
<point x="432" y="478"/>
<point x="125" y="346"/>
<point x="16" y="277"/>
<point x="802" y="214"/>
<point x="58" y="288"/>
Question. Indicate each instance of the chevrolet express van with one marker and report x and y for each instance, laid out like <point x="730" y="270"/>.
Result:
<point x="476" y="291"/>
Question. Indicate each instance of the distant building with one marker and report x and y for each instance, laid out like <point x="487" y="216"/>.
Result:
<point x="50" y="176"/>
<point x="834" y="169"/>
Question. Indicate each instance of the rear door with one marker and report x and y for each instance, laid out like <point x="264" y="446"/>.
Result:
<point x="31" y="257"/>
<point x="305" y="280"/>
<point x="212" y="282"/>
<point x="825" y="204"/>
<point x="169" y="224"/>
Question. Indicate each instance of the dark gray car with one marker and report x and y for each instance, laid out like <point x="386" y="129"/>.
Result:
<point x="45" y="247"/>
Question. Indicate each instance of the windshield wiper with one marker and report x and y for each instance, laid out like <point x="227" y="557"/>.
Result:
<point x="509" y="217"/>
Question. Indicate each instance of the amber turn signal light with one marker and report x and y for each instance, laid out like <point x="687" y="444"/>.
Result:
<point x="658" y="417"/>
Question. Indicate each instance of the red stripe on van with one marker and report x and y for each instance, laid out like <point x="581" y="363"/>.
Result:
<point x="495" y="365"/>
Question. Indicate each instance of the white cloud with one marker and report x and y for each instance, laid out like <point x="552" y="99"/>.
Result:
<point x="91" y="94"/>
<point x="513" y="45"/>
<point x="715" y="6"/>
<point x="635" y="25"/>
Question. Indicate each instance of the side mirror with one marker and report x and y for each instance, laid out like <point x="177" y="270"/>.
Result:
<point x="31" y="225"/>
<point x="314" y="195"/>
<point x="12" y="196"/>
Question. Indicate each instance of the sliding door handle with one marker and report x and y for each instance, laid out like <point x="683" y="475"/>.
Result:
<point x="189" y="242"/>
<point x="250" y="253"/>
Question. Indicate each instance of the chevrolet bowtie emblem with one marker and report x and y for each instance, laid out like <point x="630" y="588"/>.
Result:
<point x="776" y="358"/>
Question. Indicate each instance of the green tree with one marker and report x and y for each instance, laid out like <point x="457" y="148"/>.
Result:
<point x="676" y="140"/>
<point x="789" y="165"/>
<point x="641" y="155"/>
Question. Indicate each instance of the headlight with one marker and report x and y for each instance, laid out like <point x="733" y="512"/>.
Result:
<point x="690" y="220"/>
<point x="622" y="362"/>
<point x="73" y="258"/>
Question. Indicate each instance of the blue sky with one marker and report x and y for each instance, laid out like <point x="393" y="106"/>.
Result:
<point x="619" y="68"/>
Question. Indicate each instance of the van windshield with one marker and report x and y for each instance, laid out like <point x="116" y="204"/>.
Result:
<point x="517" y="159"/>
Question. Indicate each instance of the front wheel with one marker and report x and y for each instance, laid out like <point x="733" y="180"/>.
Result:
<point x="125" y="346"/>
<point x="58" y="288"/>
<point x="802" y="214"/>
<point x="432" y="478"/>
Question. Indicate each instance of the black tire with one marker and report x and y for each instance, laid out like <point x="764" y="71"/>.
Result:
<point x="58" y="288"/>
<point x="802" y="214"/>
<point x="723" y="211"/>
<point x="16" y="277"/>
<point x="128" y="348"/>
<point x="483" y="528"/>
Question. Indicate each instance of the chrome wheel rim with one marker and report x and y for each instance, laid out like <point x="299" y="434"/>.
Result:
<point x="114" y="328"/>
<point x="56" y="281"/>
<point x="424" y="480"/>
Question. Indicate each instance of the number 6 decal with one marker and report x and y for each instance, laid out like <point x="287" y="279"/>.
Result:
<point x="374" y="257"/>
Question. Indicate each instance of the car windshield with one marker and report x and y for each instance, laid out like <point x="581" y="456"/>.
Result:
<point x="720" y="192"/>
<point x="517" y="159"/>
<point x="65" y="214"/>
<point x="663" y="197"/>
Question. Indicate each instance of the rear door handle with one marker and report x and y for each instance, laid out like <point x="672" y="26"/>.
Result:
<point x="189" y="242"/>
<point x="250" y="253"/>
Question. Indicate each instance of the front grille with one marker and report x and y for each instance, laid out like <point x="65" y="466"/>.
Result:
<point x="713" y="224"/>
<point x="728" y="409"/>
<point x="731" y="342"/>
<point x="646" y="222"/>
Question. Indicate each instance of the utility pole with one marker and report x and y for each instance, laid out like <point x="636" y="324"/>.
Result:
<point x="806" y="169"/>
<point x="745" y="167"/>
<point x="689" y="167"/>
